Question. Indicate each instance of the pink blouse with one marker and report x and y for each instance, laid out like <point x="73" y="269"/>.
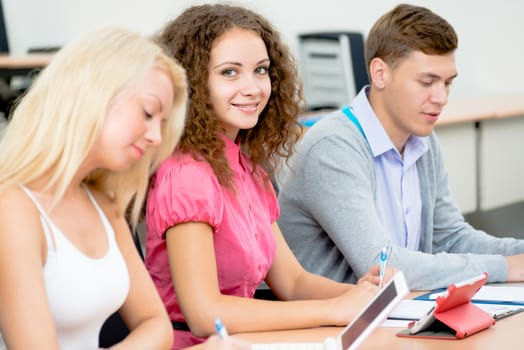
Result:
<point x="184" y="190"/>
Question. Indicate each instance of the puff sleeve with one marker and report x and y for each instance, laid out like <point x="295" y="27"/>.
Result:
<point x="183" y="190"/>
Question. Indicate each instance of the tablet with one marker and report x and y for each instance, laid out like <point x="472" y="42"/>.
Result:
<point x="456" y="294"/>
<point x="374" y="313"/>
<point x="361" y="326"/>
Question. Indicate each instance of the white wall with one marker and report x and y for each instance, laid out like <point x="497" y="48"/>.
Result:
<point x="490" y="44"/>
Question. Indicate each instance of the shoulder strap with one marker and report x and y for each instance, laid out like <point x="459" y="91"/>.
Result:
<point x="108" y="228"/>
<point x="46" y="221"/>
<point x="347" y="111"/>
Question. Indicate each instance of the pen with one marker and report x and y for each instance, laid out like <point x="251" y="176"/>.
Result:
<point x="506" y="314"/>
<point x="220" y="328"/>
<point x="383" y="261"/>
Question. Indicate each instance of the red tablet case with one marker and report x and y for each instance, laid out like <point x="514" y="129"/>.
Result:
<point x="456" y="316"/>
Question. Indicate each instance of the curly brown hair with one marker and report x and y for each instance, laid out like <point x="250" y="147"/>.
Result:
<point x="189" y="38"/>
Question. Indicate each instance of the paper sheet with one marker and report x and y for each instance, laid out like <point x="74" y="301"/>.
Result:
<point x="410" y="309"/>
<point x="395" y="323"/>
<point x="407" y="311"/>
<point x="494" y="294"/>
<point x="513" y="294"/>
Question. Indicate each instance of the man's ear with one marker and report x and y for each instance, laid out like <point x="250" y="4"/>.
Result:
<point x="378" y="73"/>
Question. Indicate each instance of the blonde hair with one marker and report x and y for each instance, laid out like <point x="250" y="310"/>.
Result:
<point x="56" y="123"/>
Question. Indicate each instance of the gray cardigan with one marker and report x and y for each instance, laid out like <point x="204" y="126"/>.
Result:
<point x="329" y="217"/>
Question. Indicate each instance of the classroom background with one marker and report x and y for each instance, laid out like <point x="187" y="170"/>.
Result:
<point x="489" y="57"/>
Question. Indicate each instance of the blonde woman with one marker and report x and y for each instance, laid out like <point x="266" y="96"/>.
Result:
<point x="75" y="156"/>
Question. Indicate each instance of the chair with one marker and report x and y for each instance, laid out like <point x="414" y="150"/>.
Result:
<point x="265" y="294"/>
<point x="7" y="95"/>
<point x="333" y="67"/>
<point x="11" y="89"/>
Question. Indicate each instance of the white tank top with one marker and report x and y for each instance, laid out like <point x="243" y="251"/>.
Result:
<point x="82" y="292"/>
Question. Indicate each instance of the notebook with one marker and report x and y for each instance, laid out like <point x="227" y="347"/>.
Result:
<point x="358" y="329"/>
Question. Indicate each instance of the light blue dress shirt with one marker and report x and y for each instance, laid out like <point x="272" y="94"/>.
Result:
<point x="398" y="187"/>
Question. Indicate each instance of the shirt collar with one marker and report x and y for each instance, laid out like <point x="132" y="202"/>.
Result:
<point x="378" y="140"/>
<point x="233" y="154"/>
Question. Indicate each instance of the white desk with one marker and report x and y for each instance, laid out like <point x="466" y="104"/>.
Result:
<point x="501" y="164"/>
<point x="482" y="141"/>
<point x="503" y="335"/>
<point x="459" y="145"/>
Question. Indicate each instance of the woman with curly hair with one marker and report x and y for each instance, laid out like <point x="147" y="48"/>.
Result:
<point x="212" y="235"/>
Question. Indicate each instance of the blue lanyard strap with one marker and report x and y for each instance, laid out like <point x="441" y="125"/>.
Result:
<point x="354" y="119"/>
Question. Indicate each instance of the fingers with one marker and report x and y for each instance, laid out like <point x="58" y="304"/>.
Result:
<point x="373" y="275"/>
<point x="368" y="276"/>
<point x="230" y="343"/>
<point x="374" y="270"/>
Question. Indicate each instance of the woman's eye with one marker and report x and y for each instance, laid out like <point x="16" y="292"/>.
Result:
<point x="262" y="70"/>
<point x="229" y="72"/>
<point x="147" y="115"/>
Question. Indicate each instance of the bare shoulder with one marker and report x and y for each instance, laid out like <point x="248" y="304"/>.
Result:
<point x="14" y="195"/>
<point x="14" y="204"/>
<point x="19" y="218"/>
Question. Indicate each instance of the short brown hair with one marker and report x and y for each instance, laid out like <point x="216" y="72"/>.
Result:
<point x="409" y="28"/>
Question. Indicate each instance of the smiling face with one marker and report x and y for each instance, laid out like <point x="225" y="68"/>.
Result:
<point x="134" y="122"/>
<point x="239" y="84"/>
<point x="410" y="96"/>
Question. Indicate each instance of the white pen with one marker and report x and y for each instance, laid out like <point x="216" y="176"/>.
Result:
<point x="383" y="261"/>
<point x="220" y="328"/>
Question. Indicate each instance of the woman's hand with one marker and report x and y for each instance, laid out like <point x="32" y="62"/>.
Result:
<point x="345" y="307"/>
<point x="230" y="343"/>
<point x="373" y="275"/>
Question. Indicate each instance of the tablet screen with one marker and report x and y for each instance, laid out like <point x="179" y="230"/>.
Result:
<point x="375" y="311"/>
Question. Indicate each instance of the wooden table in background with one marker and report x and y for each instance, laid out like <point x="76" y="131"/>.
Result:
<point x="11" y="65"/>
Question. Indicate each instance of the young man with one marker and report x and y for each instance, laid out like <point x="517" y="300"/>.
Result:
<point x="372" y="175"/>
